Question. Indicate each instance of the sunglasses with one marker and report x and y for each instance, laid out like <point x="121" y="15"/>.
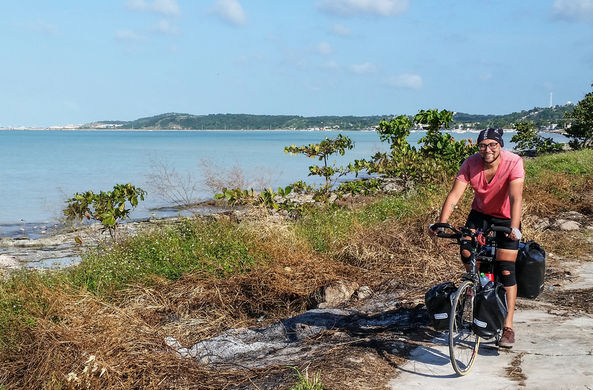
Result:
<point x="491" y="145"/>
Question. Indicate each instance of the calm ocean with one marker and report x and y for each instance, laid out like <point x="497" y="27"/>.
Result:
<point x="42" y="168"/>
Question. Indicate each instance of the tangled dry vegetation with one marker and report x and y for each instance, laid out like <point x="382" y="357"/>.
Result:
<point x="76" y="339"/>
<point x="81" y="340"/>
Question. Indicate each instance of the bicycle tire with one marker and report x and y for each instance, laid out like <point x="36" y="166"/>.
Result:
<point x="463" y="342"/>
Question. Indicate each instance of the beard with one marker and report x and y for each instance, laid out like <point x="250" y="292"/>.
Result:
<point x="483" y="157"/>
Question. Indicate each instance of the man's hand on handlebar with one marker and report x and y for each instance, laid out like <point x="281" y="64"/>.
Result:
<point x="515" y="234"/>
<point x="434" y="231"/>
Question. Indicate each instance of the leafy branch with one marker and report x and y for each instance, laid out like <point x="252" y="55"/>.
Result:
<point x="109" y="207"/>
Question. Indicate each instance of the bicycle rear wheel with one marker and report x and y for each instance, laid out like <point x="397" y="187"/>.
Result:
<point x="463" y="342"/>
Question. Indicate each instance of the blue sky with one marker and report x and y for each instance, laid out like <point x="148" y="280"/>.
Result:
<point x="72" y="61"/>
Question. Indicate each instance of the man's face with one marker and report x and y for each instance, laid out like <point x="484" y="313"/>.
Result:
<point x="489" y="150"/>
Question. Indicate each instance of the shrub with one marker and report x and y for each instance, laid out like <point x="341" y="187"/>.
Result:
<point x="527" y="139"/>
<point x="109" y="207"/>
<point x="438" y="156"/>
<point x="580" y="128"/>
<point x="322" y="151"/>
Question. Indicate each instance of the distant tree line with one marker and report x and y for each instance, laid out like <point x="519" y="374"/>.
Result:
<point x="540" y="117"/>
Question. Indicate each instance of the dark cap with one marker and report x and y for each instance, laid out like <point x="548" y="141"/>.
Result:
<point x="494" y="134"/>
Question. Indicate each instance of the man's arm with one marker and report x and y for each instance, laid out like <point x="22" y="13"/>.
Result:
<point x="451" y="201"/>
<point x="516" y="200"/>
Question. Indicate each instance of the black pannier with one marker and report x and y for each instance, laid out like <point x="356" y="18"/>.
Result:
<point x="438" y="304"/>
<point x="490" y="310"/>
<point x="531" y="268"/>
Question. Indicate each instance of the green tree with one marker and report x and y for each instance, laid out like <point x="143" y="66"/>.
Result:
<point x="438" y="153"/>
<point x="442" y="147"/>
<point x="109" y="207"/>
<point x="322" y="151"/>
<point x="580" y="129"/>
<point x="402" y="160"/>
<point x="527" y="139"/>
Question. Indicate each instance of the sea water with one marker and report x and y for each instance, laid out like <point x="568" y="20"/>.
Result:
<point x="40" y="169"/>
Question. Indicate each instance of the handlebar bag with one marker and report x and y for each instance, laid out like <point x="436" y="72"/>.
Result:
<point x="490" y="310"/>
<point x="531" y="268"/>
<point x="438" y="304"/>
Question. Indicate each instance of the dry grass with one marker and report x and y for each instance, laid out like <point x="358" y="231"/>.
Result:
<point x="559" y="192"/>
<point x="402" y="251"/>
<point x="82" y="341"/>
<point x="69" y="338"/>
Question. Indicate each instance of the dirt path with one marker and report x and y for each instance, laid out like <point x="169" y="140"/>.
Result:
<point x="554" y="350"/>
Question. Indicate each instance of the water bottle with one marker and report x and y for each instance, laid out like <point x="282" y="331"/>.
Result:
<point x="484" y="279"/>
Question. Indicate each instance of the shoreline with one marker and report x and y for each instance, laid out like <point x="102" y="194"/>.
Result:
<point x="64" y="129"/>
<point x="58" y="248"/>
<point x="180" y="130"/>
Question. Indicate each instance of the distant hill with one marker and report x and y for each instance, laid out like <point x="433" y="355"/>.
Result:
<point x="176" y="121"/>
<point x="542" y="117"/>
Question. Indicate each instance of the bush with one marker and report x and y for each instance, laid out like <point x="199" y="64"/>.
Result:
<point x="439" y="154"/>
<point x="580" y="129"/>
<point x="109" y="207"/>
<point x="322" y="151"/>
<point x="527" y="139"/>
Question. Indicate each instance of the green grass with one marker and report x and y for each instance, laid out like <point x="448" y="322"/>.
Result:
<point x="328" y="229"/>
<point x="560" y="182"/>
<point x="212" y="247"/>
<point x="304" y="382"/>
<point x="573" y="163"/>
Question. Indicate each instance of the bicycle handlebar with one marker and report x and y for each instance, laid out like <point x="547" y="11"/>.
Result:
<point x="503" y="229"/>
<point x="442" y="234"/>
<point x="463" y="231"/>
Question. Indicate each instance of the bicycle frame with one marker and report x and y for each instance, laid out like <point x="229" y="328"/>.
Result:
<point x="463" y="342"/>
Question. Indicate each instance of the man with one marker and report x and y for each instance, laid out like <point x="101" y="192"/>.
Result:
<point x="497" y="178"/>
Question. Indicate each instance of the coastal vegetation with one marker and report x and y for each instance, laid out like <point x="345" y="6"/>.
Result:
<point x="438" y="154"/>
<point x="107" y="207"/>
<point x="321" y="152"/>
<point x="528" y="139"/>
<point x="542" y="117"/>
<point x="581" y="123"/>
<point x="103" y="323"/>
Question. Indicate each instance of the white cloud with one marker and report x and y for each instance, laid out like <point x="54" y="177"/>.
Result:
<point x="405" y="80"/>
<point x="331" y="65"/>
<point x="166" y="27"/>
<point x="364" y="68"/>
<point x="164" y="7"/>
<point x="127" y="36"/>
<point x="230" y="11"/>
<point x="324" y="48"/>
<point x="573" y="10"/>
<point x="357" y="7"/>
<point x="340" y="30"/>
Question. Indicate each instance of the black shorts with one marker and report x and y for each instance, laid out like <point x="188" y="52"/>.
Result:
<point x="481" y="221"/>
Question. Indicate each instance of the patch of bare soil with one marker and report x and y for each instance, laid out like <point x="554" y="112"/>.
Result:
<point x="559" y="275"/>
<point x="514" y="370"/>
<point x="577" y="300"/>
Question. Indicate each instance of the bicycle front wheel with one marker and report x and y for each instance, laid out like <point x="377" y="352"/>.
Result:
<point x="463" y="342"/>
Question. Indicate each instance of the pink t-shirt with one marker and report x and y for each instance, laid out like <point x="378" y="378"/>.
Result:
<point x="492" y="198"/>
